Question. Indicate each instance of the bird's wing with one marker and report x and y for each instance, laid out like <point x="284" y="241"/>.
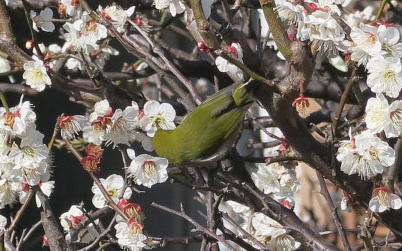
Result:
<point x="219" y="136"/>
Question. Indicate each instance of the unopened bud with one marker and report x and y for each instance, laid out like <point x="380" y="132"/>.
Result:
<point x="313" y="6"/>
<point x="202" y="47"/>
<point x="45" y="241"/>
<point x="29" y="44"/>
<point x="138" y="21"/>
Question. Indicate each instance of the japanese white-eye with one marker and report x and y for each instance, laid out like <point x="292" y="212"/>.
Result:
<point x="209" y="131"/>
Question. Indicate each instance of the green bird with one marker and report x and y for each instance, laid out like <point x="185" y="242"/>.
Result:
<point x="209" y="131"/>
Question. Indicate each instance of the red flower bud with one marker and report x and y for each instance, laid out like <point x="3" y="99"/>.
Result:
<point x="29" y="44"/>
<point x="202" y="47"/>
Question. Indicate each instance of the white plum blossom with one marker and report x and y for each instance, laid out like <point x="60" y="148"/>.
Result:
<point x="289" y="11"/>
<point x="112" y="127"/>
<point x="376" y="116"/>
<point x="384" y="199"/>
<point x="330" y="6"/>
<point x="100" y="120"/>
<point x="240" y="213"/>
<point x="265" y="180"/>
<point x="18" y="119"/>
<point x="122" y="123"/>
<point x="277" y="181"/>
<point x="284" y="242"/>
<point x="356" y="18"/>
<point x="72" y="64"/>
<point x="389" y="37"/>
<point x="130" y="235"/>
<point x="366" y="43"/>
<point x="235" y="51"/>
<point x="92" y="134"/>
<point x="84" y="33"/>
<point x="5" y="147"/>
<point x="3" y="224"/>
<point x="36" y="76"/>
<point x="267" y="226"/>
<point x="288" y="180"/>
<point x="113" y="185"/>
<point x="71" y="219"/>
<point x="272" y="234"/>
<point x="23" y="156"/>
<point x="73" y="8"/>
<point x="116" y="15"/>
<point x="101" y="109"/>
<point x="43" y="20"/>
<point x="102" y="55"/>
<point x="30" y="158"/>
<point x="237" y="207"/>
<point x="146" y="169"/>
<point x="90" y="30"/>
<point x="4" y="65"/>
<point x="365" y="154"/>
<point x="175" y="6"/>
<point x="52" y="51"/>
<point x="346" y="204"/>
<point x="45" y="187"/>
<point x="9" y="188"/>
<point x="13" y="3"/>
<point x="75" y="41"/>
<point x="146" y="141"/>
<point x="380" y="116"/>
<point x="157" y="115"/>
<point x="385" y="75"/>
<point x="323" y="30"/>
<point x="71" y="125"/>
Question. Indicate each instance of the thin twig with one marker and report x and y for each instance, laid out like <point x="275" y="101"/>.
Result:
<point x="54" y="135"/>
<point x="227" y="11"/>
<point x="103" y="246"/>
<point x="17" y="88"/>
<point x="276" y="88"/>
<point x="243" y="232"/>
<point x="28" y="234"/>
<point x="98" y="183"/>
<point x="197" y="225"/>
<point x="249" y="114"/>
<point x="183" y="181"/>
<point x="85" y="222"/>
<point x="163" y="242"/>
<point x="34" y="37"/>
<point x="334" y="210"/>
<point x="393" y="171"/>
<point x="353" y="78"/>
<point x="175" y="29"/>
<point x="211" y="212"/>
<point x="20" y="212"/>
<point x="3" y="101"/>
<point x="381" y="9"/>
<point x="285" y="156"/>
<point x="378" y="241"/>
<point x="100" y="236"/>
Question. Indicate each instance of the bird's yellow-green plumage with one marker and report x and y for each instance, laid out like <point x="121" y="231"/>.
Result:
<point x="209" y="131"/>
